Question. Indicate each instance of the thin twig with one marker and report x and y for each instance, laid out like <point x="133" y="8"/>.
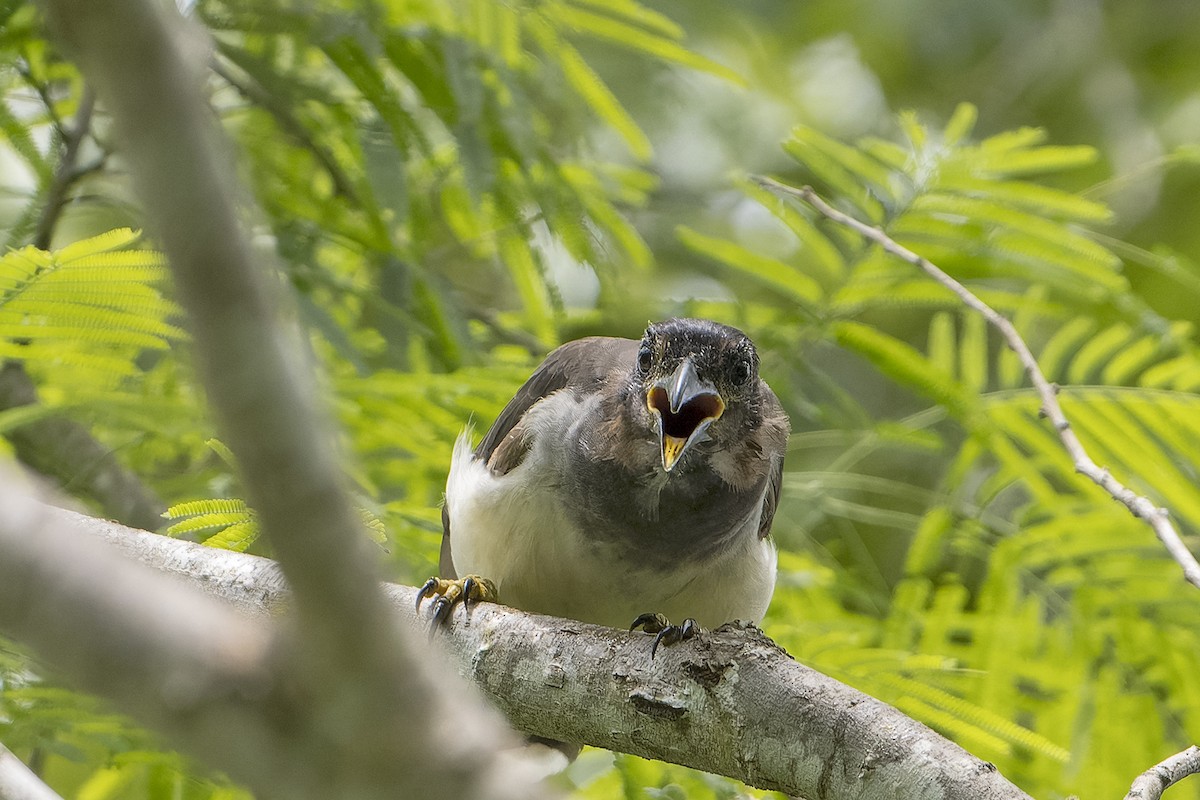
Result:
<point x="508" y="335"/>
<point x="43" y="93"/>
<point x="342" y="184"/>
<point x="66" y="174"/>
<point x="1153" y="782"/>
<point x="1141" y="507"/>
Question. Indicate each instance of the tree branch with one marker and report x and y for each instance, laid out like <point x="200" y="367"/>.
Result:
<point x="43" y="92"/>
<point x="227" y="687"/>
<point x="1141" y="507"/>
<point x="18" y="782"/>
<point x="357" y="670"/>
<point x="65" y="174"/>
<point x="1153" y="782"/>
<point x="66" y="451"/>
<point x="730" y="701"/>
<point x="249" y="89"/>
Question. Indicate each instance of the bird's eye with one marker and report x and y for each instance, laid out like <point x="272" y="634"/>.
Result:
<point x="645" y="359"/>
<point x="740" y="372"/>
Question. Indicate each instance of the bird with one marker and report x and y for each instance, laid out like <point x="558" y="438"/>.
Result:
<point x="627" y="480"/>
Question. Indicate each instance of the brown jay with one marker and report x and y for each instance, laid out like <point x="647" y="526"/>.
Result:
<point x="624" y="477"/>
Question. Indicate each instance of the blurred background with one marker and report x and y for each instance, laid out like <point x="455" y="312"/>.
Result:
<point x="1119" y="77"/>
<point x="454" y="188"/>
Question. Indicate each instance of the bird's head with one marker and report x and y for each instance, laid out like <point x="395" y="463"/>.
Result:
<point x="698" y="381"/>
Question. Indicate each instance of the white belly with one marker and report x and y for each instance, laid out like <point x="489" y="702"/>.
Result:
<point x="510" y="529"/>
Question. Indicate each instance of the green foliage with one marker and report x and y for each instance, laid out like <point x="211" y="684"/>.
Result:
<point x="391" y="145"/>
<point x="230" y="524"/>
<point x="94" y="327"/>
<point x="91" y="305"/>
<point x="227" y="524"/>
<point x="1024" y="612"/>
<point x="419" y="165"/>
<point x="87" y="751"/>
<point x="424" y="168"/>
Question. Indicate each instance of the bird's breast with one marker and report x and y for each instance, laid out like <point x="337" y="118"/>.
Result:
<point x="575" y="532"/>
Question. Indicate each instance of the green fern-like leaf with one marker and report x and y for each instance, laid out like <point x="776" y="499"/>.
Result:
<point x="1022" y="580"/>
<point x="236" y="536"/>
<point x="659" y="40"/>
<point x="796" y="286"/>
<point x="93" y="303"/>
<point x="16" y="134"/>
<point x="229" y="523"/>
<point x="970" y="720"/>
<point x="905" y="364"/>
<point x="232" y="525"/>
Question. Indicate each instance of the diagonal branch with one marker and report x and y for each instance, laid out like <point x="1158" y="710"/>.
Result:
<point x="19" y="782"/>
<point x="730" y="702"/>
<point x="225" y="686"/>
<point x="364" y="677"/>
<point x="1141" y="507"/>
<point x="66" y="174"/>
<point x="1162" y="776"/>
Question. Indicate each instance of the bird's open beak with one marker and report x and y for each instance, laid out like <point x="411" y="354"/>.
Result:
<point x="685" y="406"/>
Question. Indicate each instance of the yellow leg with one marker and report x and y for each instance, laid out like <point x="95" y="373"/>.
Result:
<point x="467" y="589"/>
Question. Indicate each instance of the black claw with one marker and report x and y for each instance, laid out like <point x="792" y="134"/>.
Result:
<point x="469" y="586"/>
<point x="666" y="633"/>
<point x="643" y="620"/>
<point x="425" y="591"/>
<point x="441" y="610"/>
<point x="673" y="634"/>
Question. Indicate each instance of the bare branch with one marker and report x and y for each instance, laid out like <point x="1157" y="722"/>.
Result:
<point x="1153" y="782"/>
<point x="1141" y="507"/>
<point x="254" y="368"/>
<point x="730" y="701"/>
<point x="227" y="687"/>
<point x="19" y="782"/>
<point x="360" y="673"/>
<point x="65" y="174"/>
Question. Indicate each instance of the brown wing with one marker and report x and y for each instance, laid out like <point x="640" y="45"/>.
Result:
<point x="584" y="365"/>
<point x="771" y="501"/>
<point x="774" y="430"/>
<point x="445" y="559"/>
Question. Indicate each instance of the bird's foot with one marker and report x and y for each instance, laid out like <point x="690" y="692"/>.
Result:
<point x="667" y="633"/>
<point x="445" y="593"/>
